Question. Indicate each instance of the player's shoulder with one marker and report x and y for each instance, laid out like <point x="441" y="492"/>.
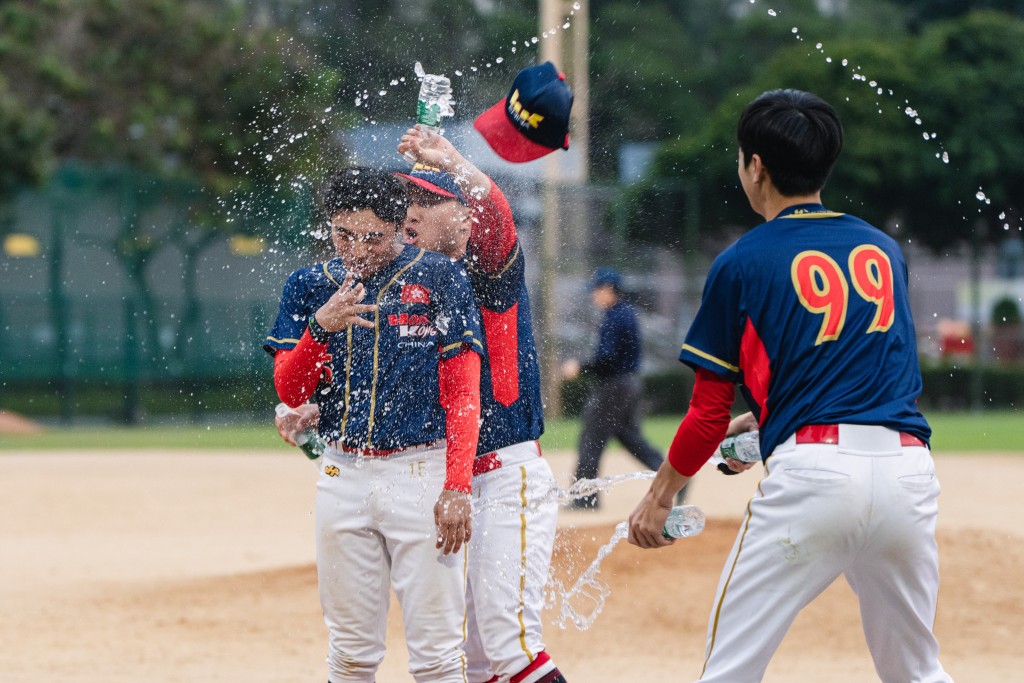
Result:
<point x="438" y="268"/>
<point x="316" y="275"/>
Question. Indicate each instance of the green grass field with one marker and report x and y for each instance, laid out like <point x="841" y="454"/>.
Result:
<point x="954" y="432"/>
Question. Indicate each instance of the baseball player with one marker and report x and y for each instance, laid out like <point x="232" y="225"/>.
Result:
<point x="387" y="338"/>
<point x="456" y="209"/>
<point x="809" y="313"/>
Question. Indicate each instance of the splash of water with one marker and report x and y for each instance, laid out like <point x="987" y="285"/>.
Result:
<point x="579" y="489"/>
<point x="583" y="602"/>
<point x="941" y="154"/>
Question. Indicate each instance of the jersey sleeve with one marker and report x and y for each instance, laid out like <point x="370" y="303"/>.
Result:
<point x="713" y="342"/>
<point x="457" y="317"/>
<point x="492" y="240"/>
<point x="292" y="315"/>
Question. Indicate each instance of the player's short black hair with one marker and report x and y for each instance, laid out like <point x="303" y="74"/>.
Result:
<point x="357" y="187"/>
<point x="797" y="135"/>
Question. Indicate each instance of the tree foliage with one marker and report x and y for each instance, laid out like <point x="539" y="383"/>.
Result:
<point x="951" y="92"/>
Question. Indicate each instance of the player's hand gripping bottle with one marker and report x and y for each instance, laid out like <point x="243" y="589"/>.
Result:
<point x="308" y="439"/>
<point x="683" y="521"/>
<point x="435" y="102"/>
<point x="744" y="447"/>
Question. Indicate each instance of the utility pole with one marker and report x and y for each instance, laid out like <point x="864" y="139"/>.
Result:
<point x="568" y="49"/>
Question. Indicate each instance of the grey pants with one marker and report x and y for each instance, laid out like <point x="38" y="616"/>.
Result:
<point x="612" y="410"/>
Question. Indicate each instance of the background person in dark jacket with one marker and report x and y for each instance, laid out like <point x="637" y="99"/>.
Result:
<point x="612" y="407"/>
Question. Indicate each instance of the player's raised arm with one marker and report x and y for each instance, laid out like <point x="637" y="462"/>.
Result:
<point x="493" y="235"/>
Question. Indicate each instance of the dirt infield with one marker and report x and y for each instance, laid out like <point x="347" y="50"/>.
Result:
<point x="164" y="566"/>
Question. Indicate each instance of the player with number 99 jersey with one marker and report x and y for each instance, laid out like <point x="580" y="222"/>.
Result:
<point x="809" y="313"/>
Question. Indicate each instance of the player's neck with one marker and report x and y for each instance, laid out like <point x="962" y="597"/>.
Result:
<point x="773" y="203"/>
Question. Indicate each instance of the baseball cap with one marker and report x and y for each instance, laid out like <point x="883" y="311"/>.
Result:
<point x="435" y="180"/>
<point x="533" y="119"/>
<point x="606" y="276"/>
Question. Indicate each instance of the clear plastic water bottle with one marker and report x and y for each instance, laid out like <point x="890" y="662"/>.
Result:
<point x="434" y="102"/>
<point x="745" y="447"/>
<point x="683" y="521"/>
<point x="308" y="440"/>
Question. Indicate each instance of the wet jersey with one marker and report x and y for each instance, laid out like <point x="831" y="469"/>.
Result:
<point x="510" y="402"/>
<point x="380" y="388"/>
<point x="809" y="313"/>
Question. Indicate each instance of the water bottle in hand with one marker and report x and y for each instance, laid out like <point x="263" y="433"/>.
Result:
<point x="308" y="439"/>
<point x="434" y="102"/>
<point x="745" y="447"/>
<point x="683" y="521"/>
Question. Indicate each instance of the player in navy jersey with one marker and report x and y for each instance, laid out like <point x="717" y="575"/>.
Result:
<point x="809" y="313"/>
<point x="386" y="340"/>
<point x="456" y="209"/>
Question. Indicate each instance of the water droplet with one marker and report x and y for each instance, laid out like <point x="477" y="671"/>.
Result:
<point x="980" y="196"/>
<point x="565" y="25"/>
<point x="458" y="72"/>
<point x="772" y="13"/>
<point x="328" y="110"/>
<point x="499" y="60"/>
<point x="382" y="93"/>
<point x="818" y="46"/>
<point x="794" y="30"/>
<point x="576" y="6"/>
<point x="270" y="157"/>
<point x="828" y="60"/>
<point x="534" y="40"/>
<point x="1002" y="216"/>
<point x="846" y="62"/>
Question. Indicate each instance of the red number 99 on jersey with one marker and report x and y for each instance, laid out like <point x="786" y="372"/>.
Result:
<point x="822" y="288"/>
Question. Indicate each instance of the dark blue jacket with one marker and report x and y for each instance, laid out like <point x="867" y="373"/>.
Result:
<point x="618" y="345"/>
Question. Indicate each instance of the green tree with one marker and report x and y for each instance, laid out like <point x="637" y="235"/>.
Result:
<point x="951" y="92"/>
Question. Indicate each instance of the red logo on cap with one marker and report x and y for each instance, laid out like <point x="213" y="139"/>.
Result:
<point x="415" y="294"/>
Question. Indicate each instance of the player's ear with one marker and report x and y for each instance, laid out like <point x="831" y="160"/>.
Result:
<point x="757" y="169"/>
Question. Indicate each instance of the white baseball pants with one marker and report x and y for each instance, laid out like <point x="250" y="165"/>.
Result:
<point x="509" y="557"/>
<point x="864" y="508"/>
<point x="375" y="529"/>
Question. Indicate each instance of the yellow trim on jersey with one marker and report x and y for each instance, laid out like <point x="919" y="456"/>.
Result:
<point x="348" y="379"/>
<point x="328" y="275"/>
<point x="282" y="341"/>
<point x="468" y="333"/>
<point x="708" y="356"/>
<point x="522" y="573"/>
<point x="725" y="587"/>
<point x="814" y="214"/>
<point x="376" y="345"/>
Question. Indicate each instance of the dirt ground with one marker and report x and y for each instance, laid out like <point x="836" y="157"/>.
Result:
<point x="162" y="567"/>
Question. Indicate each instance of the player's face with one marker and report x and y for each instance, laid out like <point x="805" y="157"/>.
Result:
<point x="443" y="228"/>
<point x="364" y="242"/>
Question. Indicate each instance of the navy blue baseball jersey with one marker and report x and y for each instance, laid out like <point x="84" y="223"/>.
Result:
<point x="809" y="313"/>
<point x="510" y="402"/>
<point x="380" y="389"/>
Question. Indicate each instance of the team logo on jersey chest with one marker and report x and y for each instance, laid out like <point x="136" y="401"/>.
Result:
<point x="415" y="294"/>
<point x="412" y="325"/>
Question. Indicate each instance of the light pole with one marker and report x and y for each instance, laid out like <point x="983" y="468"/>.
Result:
<point x="575" y="62"/>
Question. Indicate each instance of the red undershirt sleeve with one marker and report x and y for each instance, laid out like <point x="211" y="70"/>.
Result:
<point x="297" y="371"/>
<point x="705" y="424"/>
<point x="494" y="231"/>
<point x="460" y="398"/>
